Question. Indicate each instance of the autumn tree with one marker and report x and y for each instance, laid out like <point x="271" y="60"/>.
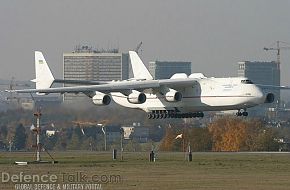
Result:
<point x="168" y="140"/>
<point x="200" y="139"/>
<point x="235" y="134"/>
<point x="266" y="140"/>
<point x="229" y="134"/>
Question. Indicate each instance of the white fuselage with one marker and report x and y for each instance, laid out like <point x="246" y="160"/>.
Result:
<point x="205" y="94"/>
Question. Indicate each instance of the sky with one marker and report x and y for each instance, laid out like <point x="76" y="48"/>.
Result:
<point x="213" y="34"/>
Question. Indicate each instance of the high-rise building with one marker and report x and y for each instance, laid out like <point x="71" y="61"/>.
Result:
<point x="266" y="73"/>
<point x="88" y="64"/>
<point x="165" y="69"/>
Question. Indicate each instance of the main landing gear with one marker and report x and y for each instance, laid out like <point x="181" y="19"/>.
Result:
<point x="162" y="114"/>
<point x="242" y="113"/>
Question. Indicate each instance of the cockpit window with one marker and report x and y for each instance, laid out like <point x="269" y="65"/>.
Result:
<point x="247" y="81"/>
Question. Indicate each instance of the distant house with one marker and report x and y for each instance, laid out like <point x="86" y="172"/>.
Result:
<point x="50" y="133"/>
<point x="136" y="132"/>
<point x="128" y="132"/>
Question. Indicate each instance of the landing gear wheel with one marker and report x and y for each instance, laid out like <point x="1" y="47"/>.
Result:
<point x="149" y="116"/>
<point x="245" y="114"/>
<point x="201" y="114"/>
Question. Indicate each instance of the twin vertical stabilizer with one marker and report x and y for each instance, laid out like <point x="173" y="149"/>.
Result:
<point x="139" y="69"/>
<point x="44" y="77"/>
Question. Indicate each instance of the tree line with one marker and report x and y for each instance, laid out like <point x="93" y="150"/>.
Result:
<point x="222" y="134"/>
<point x="225" y="134"/>
<point x="16" y="134"/>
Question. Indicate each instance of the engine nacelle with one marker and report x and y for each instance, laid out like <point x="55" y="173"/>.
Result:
<point x="101" y="99"/>
<point x="136" y="97"/>
<point x="269" y="98"/>
<point x="173" y="96"/>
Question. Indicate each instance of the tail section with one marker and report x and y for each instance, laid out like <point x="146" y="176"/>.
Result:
<point x="138" y="67"/>
<point x="44" y="77"/>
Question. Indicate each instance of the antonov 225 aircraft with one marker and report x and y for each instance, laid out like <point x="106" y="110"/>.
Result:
<point x="181" y="96"/>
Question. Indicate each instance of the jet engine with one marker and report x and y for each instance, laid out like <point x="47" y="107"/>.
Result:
<point x="101" y="99"/>
<point x="173" y="96"/>
<point x="269" y="98"/>
<point x="136" y="97"/>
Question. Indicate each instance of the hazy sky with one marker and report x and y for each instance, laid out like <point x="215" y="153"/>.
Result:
<point x="213" y="34"/>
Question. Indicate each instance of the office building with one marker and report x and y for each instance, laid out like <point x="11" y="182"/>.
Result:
<point x="96" y="65"/>
<point x="165" y="69"/>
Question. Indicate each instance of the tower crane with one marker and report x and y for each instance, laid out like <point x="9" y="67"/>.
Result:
<point x="138" y="47"/>
<point x="278" y="49"/>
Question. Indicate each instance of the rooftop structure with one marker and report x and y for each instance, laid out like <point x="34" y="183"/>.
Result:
<point x="165" y="69"/>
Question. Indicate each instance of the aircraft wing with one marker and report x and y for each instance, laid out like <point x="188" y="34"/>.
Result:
<point x="273" y="87"/>
<point x="118" y="86"/>
<point x="80" y="82"/>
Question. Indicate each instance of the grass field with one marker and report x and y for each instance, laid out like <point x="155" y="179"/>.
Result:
<point x="170" y="171"/>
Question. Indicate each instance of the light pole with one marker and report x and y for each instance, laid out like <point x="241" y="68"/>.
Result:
<point x="105" y="136"/>
<point x="38" y="145"/>
<point x="10" y="145"/>
<point x="104" y="132"/>
<point x="121" y="139"/>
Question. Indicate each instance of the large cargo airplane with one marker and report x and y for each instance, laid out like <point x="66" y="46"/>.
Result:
<point x="181" y="96"/>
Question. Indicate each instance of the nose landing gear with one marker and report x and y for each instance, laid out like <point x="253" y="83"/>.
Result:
<point x="242" y="113"/>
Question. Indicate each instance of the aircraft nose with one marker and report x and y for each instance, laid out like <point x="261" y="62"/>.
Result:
<point x="260" y="97"/>
<point x="260" y="93"/>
